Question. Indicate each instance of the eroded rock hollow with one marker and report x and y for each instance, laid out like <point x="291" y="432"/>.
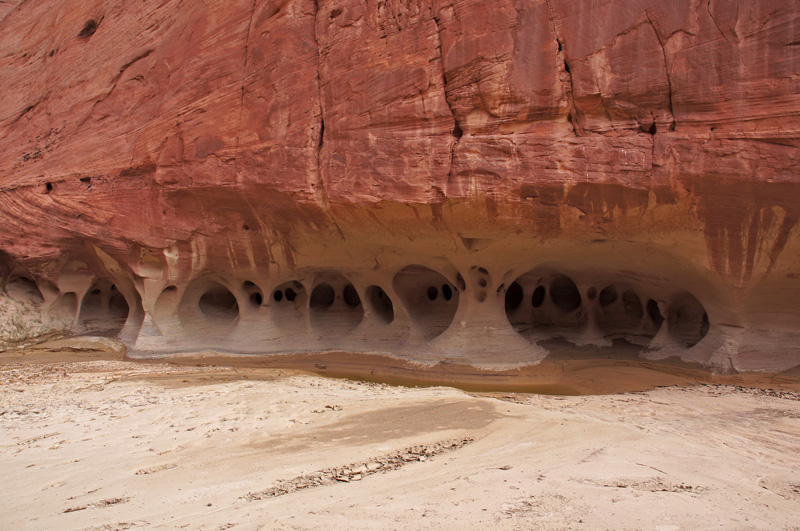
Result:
<point x="481" y="182"/>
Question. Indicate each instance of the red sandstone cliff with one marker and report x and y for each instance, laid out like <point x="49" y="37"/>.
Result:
<point x="178" y="151"/>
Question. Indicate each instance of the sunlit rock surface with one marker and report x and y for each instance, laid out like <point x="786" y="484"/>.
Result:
<point x="489" y="183"/>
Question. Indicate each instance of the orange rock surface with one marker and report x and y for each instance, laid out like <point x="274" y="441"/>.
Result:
<point x="296" y="176"/>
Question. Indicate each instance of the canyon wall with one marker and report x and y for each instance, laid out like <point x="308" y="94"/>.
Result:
<point x="482" y="182"/>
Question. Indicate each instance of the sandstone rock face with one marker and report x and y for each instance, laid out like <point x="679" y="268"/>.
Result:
<point x="484" y="182"/>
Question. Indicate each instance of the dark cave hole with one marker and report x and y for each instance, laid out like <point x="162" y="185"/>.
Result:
<point x="278" y="295"/>
<point x="254" y="294"/>
<point x="654" y="313"/>
<point x="537" y="299"/>
<point x="92" y="302"/>
<point x="514" y="296"/>
<point x="88" y="29"/>
<point x="632" y="304"/>
<point x="433" y="292"/>
<point x="381" y="304"/>
<point x="447" y="292"/>
<point x="621" y="314"/>
<point x="219" y="303"/>
<point x="293" y="305"/>
<point x="480" y="276"/>
<point x="351" y="297"/>
<point x="564" y="294"/>
<point x="556" y="307"/>
<point x="608" y="296"/>
<point x="256" y="299"/>
<point x="118" y="307"/>
<point x="334" y="312"/>
<point x="322" y="297"/>
<point x="457" y="132"/>
<point x="103" y="311"/>
<point x="688" y="320"/>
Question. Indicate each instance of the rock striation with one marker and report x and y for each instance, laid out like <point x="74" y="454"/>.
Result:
<point x="488" y="183"/>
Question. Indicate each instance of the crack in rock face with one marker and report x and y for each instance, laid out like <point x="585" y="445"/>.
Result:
<point x="476" y="186"/>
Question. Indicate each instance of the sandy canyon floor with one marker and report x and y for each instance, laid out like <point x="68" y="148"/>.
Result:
<point x="88" y="441"/>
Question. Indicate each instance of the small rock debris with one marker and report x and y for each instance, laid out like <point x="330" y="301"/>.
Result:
<point x="102" y="503"/>
<point x="358" y="471"/>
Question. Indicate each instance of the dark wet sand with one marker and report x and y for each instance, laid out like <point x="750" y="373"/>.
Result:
<point x="565" y="373"/>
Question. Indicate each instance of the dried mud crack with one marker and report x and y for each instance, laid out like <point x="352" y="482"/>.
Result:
<point x="358" y="471"/>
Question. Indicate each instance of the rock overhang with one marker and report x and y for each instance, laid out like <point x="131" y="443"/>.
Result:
<point x="278" y="179"/>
